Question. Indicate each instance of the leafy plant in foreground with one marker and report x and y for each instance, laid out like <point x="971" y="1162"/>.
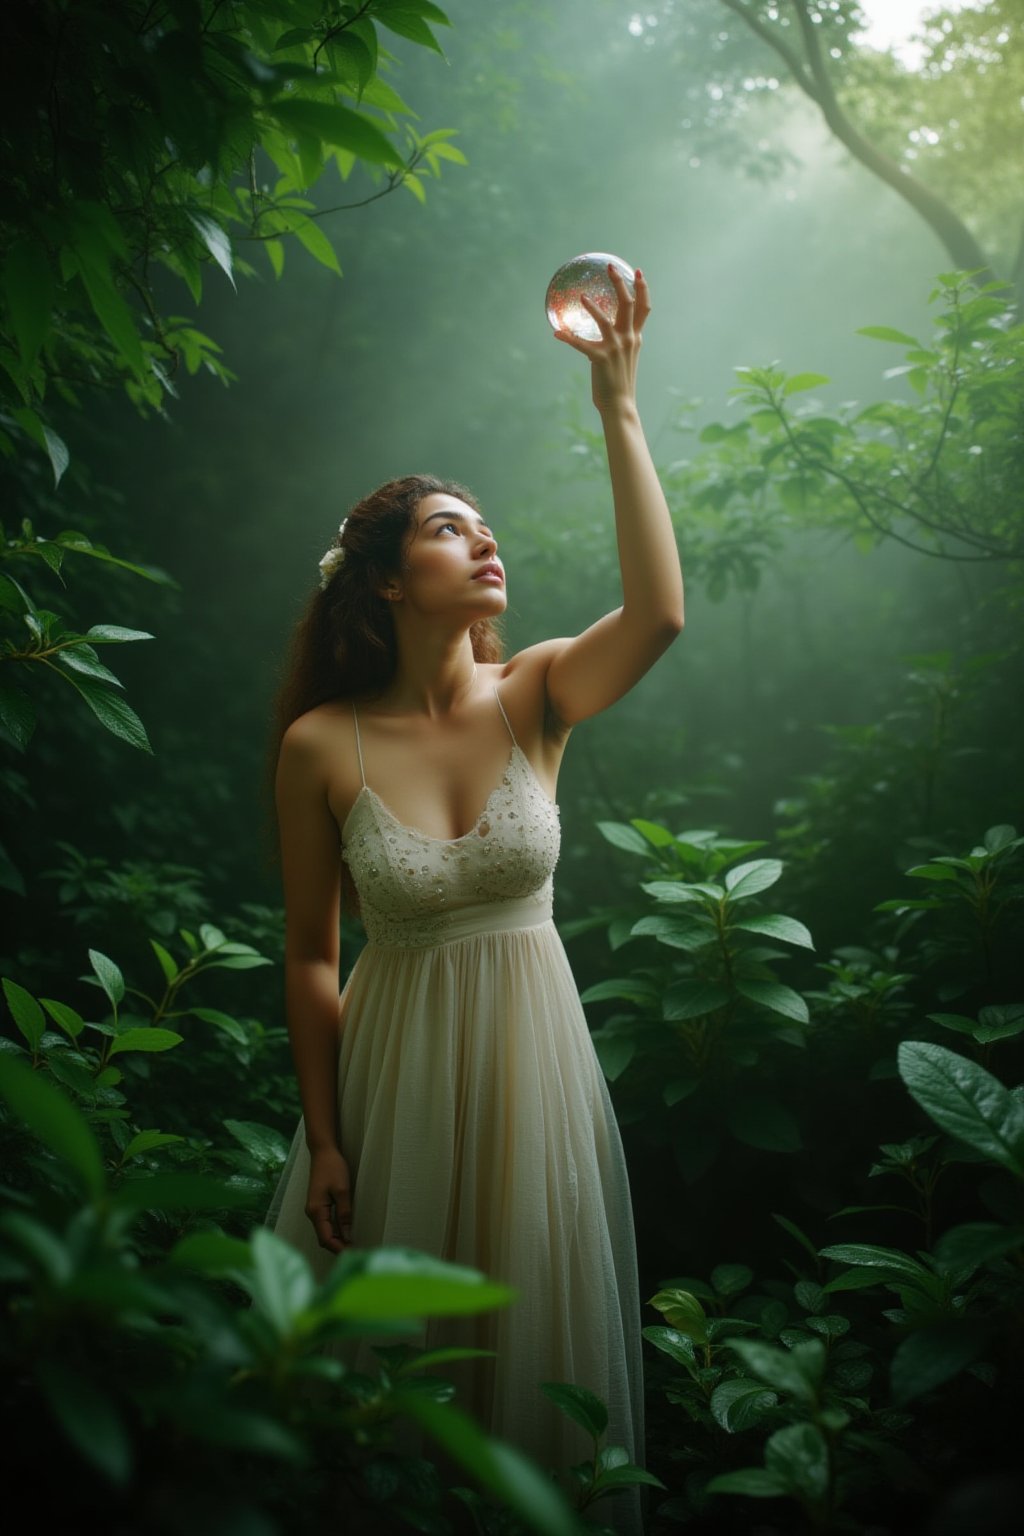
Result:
<point x="973" y="896"/>
<point x="213" y="1378"/>
<point x="832" y="1440"/>
<point x="707" y="1009"/>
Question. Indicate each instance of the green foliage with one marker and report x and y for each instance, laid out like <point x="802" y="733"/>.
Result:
<point x="813" y="1389"/>
<point x="174" y="136"/>
<point x="938" y="473"/>
<point x="56" y="649"/>
<point x="708" y="1014"/>
<point x="216" y="1351"/>
<point x="840" y="1402"/>
<point x="974" y="899"/>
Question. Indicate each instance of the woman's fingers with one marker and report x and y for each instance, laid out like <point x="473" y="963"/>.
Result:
<point x="329" y="1205"/>
<point x="642" y="299"/>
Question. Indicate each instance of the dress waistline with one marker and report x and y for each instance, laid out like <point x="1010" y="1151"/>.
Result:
<point x="423" y="930"/>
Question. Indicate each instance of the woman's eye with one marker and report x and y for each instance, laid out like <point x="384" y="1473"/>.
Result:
<point x="452" y="526"/>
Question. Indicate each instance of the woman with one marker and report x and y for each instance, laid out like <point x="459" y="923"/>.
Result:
<point x="454" y="1102"/>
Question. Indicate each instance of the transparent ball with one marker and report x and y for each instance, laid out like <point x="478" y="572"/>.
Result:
<point x="586" y="274"/>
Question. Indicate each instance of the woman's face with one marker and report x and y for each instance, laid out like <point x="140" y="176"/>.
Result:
<point x="451" y="562"/>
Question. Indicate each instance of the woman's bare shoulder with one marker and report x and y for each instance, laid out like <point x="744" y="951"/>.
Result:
<point x="316" y="731"/>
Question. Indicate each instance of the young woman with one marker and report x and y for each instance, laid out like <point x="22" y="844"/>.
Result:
<point x="453" y="1101"/>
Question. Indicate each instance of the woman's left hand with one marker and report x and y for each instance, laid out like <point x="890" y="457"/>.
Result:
<point x="613" y="358"/>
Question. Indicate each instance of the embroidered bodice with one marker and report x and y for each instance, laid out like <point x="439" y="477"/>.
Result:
<point x="418" y="890"/>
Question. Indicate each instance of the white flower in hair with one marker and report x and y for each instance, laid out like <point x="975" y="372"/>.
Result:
<point x="332" y="559"/>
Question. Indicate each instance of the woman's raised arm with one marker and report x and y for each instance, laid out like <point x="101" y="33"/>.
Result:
<point x="311" y="875"/>
<point x="591" y="671"/>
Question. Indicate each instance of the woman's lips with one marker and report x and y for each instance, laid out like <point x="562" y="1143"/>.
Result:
<point x="490" y="573"/>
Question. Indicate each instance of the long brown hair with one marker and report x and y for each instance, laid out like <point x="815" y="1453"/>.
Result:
<point x="343" y="645"/>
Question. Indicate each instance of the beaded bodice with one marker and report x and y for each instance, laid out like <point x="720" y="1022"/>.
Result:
<point x="413" y="887"/>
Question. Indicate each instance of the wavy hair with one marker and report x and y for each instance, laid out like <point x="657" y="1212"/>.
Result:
<point x="343" y="645"/>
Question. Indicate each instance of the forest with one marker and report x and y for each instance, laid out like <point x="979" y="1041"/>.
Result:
<point x="258" y="256"/>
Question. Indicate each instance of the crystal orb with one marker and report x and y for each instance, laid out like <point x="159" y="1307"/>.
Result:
<point x="586" y="274"/>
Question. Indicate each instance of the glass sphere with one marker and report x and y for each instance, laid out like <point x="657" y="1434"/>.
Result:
<point x="586" y="274"/>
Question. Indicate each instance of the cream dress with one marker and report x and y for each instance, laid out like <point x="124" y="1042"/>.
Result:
<point x="477" y="1123"/>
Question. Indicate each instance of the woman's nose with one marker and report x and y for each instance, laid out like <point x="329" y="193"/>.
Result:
<point x="488" y="541"/>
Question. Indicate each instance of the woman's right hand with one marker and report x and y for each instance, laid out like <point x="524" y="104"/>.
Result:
<point x="329" y="1201"/>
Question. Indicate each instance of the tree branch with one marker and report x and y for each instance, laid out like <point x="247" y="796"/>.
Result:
<point x="768" y="35"/>
<point x="957" y="239"/>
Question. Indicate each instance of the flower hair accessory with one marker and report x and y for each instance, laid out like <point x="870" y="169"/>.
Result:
<point x="332" y="559"/>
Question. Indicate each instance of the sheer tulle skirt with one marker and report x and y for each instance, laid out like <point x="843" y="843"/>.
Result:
<point x="478" y="1127"/>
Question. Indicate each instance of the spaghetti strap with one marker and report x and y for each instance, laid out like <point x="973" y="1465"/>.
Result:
<point x="505" y="717"/>
<point x="359" y="745"/>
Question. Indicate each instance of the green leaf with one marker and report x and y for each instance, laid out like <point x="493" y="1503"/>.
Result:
<point x="26" y="1012"/>
<point x="262" y="1142"/>
<point x="502" y="1469"/>
<point x="30" y="290"/>
<point x="998" y="838"/>
<point x="886" y="333"/>
<point x="632" y="989"/>
<point x="658" y="836"/>
<point x="794" y="1231"/>
<point x="275" y="255"/>
<point x="281" y="1283"/>
<point x="216" y="241"/>
<point x="114" y="316"/>
<point x="932" y="1355"/>
<point x="731" y="1279"/>
<point x="747" y="879"/>
<point x="223" y="1021"/>
<point x="670" y="891"/>
<point x="401" y="1282"/>
<point x="336" y="125"/>
<point x="678" y="1346"/>
<point x="799" y="1370"/>
<point x="317" y="244"/>
<point x="213" y="1253"/>
<point x="954" y="1021"/>
<point x="773" y="995"/>
<point x="692" y="999"/>
<point x="682" y="1311"/>
<point x="70" y="1022"/>
<point x="17" y="715"/>
<point x="89" y="1418"/>
<point x="167" y="962"/>
<point x="759" y="1121"/>
<point x="626" y="837"/>
<point x="778" y="927"/>
<point x="55" y="1120"/>
<point x="110" y="977"/>
<point x="976" y="1242"/>
<point x="580" y="1404"/>
<point x="57" y="452"/>
<point x="615" y="1051"/>
<point x="802" y="381"/>
<point x="890" y="1260"/>
<point x="737" y="1404"/>
<point x="114" y="634"/>
<point x="148" y="1141"/>
<point x="82" y="658"/>
<point x="798" y="1456"/>
<point x="146" y="1038"/>
<point x="408" y="22"/>
<point x="1000" y="1021"/>
<point x="112" y="712"/>
<point x="965" y="1101"/>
